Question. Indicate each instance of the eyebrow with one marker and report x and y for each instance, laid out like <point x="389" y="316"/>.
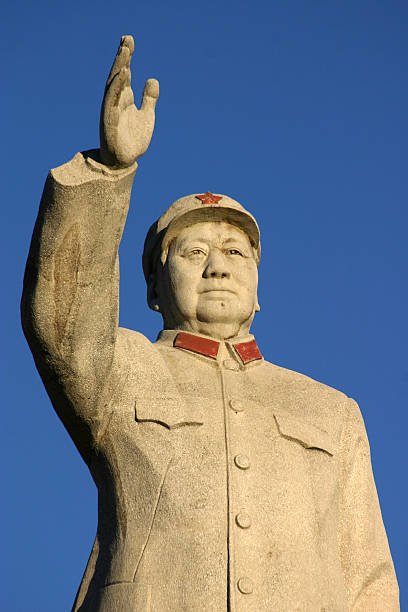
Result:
<point x="181" y="243"/>
<point x="231" y="240"/>
<point x="240" y="239"/>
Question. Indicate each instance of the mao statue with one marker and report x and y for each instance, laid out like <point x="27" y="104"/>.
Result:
<point x="225" y="483"/>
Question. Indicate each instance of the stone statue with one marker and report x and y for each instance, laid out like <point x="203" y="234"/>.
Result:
<point x="226" y="483"/>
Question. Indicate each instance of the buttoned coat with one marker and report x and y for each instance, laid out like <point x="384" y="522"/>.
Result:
<point x="223" y="484"/>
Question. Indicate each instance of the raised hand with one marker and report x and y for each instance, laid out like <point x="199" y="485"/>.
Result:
<point x="125" y="131"/>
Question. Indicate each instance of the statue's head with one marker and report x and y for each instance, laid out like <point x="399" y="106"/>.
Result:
<point x="201" y="266"/>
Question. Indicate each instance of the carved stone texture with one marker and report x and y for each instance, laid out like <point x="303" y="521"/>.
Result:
<point x="225" y="483"/>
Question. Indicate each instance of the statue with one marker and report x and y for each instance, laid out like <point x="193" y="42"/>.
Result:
<point x="225" y="483"/>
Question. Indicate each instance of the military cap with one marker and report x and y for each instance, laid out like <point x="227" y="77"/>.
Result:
<point x="196" y="208"/>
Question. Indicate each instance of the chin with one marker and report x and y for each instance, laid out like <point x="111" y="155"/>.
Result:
<point x="216" y="313"/>
<point x="221" y="313"/>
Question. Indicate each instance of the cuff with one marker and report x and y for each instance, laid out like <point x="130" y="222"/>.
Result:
<point x="91" y="158"/>
<point x="85" y="167"/>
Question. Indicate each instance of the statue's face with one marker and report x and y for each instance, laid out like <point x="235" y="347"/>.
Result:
<point x="209" y="281"/>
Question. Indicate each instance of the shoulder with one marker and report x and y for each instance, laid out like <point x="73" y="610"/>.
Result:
<point x="130" y="336"/>
<point x="300" y="383"/>
<point x="133" y="349"/>
<point x="129" y="342"/>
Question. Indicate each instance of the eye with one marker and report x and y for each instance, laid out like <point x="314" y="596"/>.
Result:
<point x="196" y="253"/>
<point x="234" y="252"/>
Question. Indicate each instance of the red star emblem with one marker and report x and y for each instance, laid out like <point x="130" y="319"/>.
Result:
<point x="208" y="198"/>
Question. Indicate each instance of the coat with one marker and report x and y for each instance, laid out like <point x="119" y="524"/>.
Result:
<point x="225" y="483"/>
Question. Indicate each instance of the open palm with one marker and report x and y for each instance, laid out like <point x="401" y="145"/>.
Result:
<point x="125" y="131"/>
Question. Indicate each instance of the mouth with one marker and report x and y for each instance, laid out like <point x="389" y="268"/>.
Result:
<point x="218" y="292"/>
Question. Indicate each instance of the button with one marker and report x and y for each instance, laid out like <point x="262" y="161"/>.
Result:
<point x="242" y="462"/>
<point x="230" y="364"/>
<point x="245" y="585"/>
<point x="237" y="405"/>
<point x="243" y="520"/>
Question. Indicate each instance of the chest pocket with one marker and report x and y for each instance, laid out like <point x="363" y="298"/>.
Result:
<point x="170" y="411"/>
<point x="306" y="434"/>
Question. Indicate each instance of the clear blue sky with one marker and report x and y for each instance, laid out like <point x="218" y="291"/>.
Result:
<point x="298" y="109"/>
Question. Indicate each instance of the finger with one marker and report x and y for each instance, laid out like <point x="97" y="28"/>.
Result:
<point x="150" y="95"/>
<point x="127" y="41"/>
<point x="119" y="83"/>
<point x="123" y="57"/>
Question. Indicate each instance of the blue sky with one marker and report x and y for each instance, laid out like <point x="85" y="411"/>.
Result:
<point x="297" y="109"/>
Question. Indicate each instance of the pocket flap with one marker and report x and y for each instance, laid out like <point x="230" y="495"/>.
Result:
<point x="169" y="411"/>
<point x="306" y="434"/>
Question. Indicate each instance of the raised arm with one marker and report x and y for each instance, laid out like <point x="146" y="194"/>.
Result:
<point x="70" y="299"/>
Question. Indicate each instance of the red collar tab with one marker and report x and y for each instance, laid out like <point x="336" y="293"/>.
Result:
<point x="196" y="344"/>
<point x="208" y="198"/>
<point x="248" y="351"/>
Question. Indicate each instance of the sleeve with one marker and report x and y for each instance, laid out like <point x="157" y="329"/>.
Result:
<point x="368" y="570"/>
<point x="70" y="300"/>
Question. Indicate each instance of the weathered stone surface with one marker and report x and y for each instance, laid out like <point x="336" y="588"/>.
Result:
<point x="226" y="483"/>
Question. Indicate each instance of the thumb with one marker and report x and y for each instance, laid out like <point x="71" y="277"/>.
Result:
<point x="150" y="95"/>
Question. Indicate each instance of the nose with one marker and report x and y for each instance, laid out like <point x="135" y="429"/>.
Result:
<point x="216" y="265"/>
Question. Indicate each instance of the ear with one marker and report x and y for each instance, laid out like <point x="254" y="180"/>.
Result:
<point x="152" y="294"/>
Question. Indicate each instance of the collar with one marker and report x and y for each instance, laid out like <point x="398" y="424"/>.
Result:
<point x="245" y="348"/>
